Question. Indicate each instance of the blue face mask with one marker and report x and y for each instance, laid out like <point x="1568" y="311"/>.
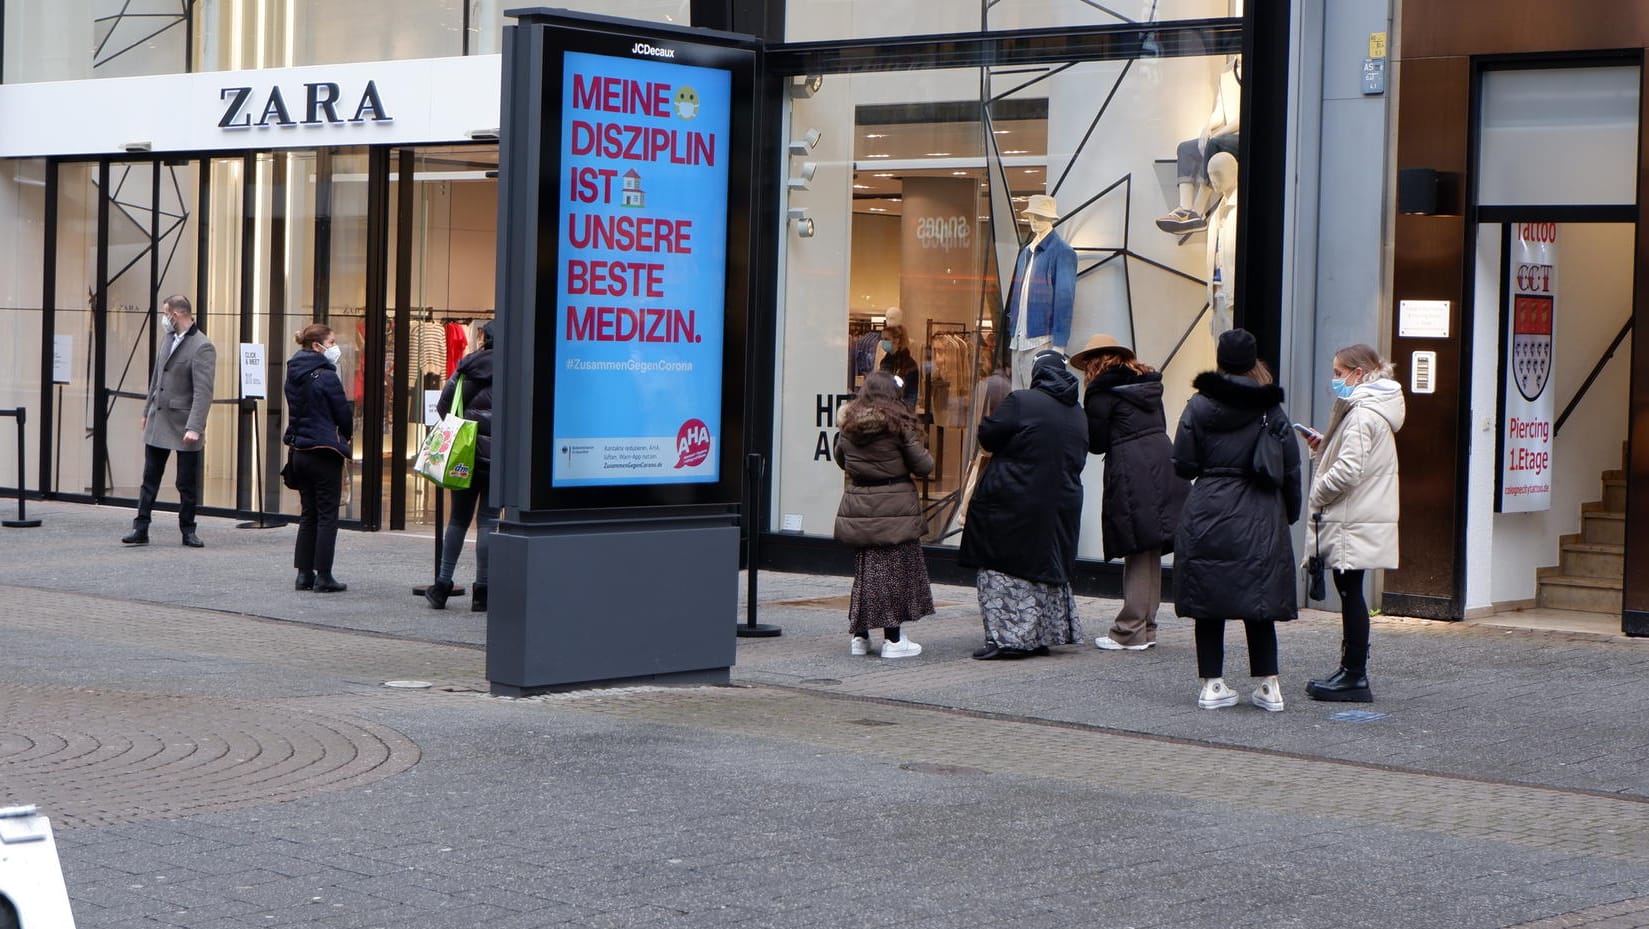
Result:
<point x="1341" y="388"/>
<point x="887" y="346"/>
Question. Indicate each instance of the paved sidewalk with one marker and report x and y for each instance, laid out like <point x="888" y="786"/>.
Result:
<point x="219" y="750"/>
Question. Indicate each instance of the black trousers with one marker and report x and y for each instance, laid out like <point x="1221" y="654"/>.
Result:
<point x="1353" y="620"/>
<point x="1262" y="647"/>
<point x="320" y="479"/>
<point x="188" y="485"/>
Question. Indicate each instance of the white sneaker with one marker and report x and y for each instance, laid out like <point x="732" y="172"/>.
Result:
<point x="904" y="648"/>
<point x="1215" y="694"/>
<point x="1268" y="696"/>
<point x="860" y="646"/>
<point x="1112" y="645"/>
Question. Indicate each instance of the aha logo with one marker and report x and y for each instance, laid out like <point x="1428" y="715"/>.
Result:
<point x="692" y="444"/>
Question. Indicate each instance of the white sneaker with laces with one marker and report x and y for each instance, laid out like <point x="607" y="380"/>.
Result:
<point x="904" y="648"/>
<point x="1268" y="696"/>
<point x="1215" y="694"/>
<point x="860" y="646"/>
<point x="1112" y="645"/>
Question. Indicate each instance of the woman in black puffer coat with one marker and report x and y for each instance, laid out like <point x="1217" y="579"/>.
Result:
<point x="1233" y="555"/>
<point x="1143" y="495"/>
<point x="319" y="427"/>
<point x="1022" y="523"/>
<point x="474" y="378"/>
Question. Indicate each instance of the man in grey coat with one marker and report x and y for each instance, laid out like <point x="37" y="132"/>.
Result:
<point x="174" y="418"/>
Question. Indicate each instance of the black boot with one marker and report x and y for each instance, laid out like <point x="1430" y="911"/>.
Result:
<point x="437" y="594"/>
<point x="138" y="536"/>
<point x="306" y="581"/>
<point x="1342" y="686"/>
<point x="325" y="583"/>
<point x="478" y="598"/>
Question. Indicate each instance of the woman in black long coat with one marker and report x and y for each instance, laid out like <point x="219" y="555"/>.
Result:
<point x="1233" y="556"/>
<point x="1022" y="523"/>
<point x="1143" y="496"/>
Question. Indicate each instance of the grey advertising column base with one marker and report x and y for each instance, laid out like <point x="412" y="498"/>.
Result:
<point x="585" y="604"/>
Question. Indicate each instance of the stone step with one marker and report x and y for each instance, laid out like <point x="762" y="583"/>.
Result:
<point x="1600" y="526"/>
<point x="1592" y="559"/>
<point x="1586" y="594"/>
<point x="1614" y="495"/>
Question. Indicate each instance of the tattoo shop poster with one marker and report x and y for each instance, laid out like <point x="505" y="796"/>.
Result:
<point x="642" y="267"/>
<point x="1526" y="371"/>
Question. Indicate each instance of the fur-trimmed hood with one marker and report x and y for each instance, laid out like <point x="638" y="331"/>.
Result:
<point x="1232" y="401"/>
<point x="863" y="422"/>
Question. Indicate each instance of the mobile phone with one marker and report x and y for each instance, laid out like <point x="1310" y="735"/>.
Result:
<point x="1307" y="431"/>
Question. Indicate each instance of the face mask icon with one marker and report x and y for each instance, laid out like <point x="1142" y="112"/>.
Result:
<point x="687" y="102"/>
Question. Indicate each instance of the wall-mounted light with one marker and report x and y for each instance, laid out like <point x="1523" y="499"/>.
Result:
<point x="805" y="144"/>
<point x="1428" y="192"/>
<point x="800" y="179"/>
<point x="803" y="86"/>
<point x="482" y="135"/>
<point x="137" y="146"/>
<point x="803" y="222"/>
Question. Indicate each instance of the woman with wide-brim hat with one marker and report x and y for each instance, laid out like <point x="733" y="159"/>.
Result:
<point x="1142" y="495"/>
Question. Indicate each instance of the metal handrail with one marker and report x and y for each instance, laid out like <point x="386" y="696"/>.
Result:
<point x="1597" y="370"/>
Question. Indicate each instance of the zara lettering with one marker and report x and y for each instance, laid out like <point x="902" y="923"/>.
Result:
<point x="244" y="110"/>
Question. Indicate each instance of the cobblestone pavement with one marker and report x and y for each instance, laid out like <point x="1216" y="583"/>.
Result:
<point x="219" y="751"/>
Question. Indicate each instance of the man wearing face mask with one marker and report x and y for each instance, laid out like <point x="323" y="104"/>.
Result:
<point x="174" y="418"/>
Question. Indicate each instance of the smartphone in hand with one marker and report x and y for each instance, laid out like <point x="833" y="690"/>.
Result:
<point x="1308" y="433"/>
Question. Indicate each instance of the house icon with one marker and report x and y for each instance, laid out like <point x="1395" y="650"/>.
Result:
<point x="632" y="195"/>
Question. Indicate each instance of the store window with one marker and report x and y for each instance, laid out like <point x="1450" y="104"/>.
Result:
<point x="55" y="40"/>
<point x="823" y="20"/>
<point x="907" y="200"/>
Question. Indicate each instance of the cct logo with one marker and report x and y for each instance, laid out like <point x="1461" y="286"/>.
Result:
<point x="692" y="444"/>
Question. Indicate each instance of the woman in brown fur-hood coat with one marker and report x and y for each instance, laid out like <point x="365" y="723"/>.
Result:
<point x="880" y="447"/>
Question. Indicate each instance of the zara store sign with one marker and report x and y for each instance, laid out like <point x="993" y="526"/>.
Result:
<point x="317" y="103"/>
<point x="412" y="101"/>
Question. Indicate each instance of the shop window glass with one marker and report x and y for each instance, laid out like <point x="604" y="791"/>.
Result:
<point x="823" y="20"/>
<point x="488" y="20"/>
<point x="22" y="205"/>
<point x="237" y="34"/>
<point x="916" y="201"/>
<point x="1559" y="136"/>
<point x="67" y="40"/>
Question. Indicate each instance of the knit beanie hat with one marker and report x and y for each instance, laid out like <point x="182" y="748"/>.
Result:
<point x="1237" y="351"/>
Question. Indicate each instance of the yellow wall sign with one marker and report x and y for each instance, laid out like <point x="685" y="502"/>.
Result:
<point x="1377" y="45"/>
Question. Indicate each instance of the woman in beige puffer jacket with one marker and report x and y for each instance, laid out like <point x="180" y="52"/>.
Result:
<point x="1354" y="504"/>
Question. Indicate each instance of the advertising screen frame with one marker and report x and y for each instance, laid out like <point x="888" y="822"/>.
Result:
<point x="737" y="56"/>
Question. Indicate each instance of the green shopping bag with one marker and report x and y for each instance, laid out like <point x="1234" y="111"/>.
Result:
<point x="448" y="454"/>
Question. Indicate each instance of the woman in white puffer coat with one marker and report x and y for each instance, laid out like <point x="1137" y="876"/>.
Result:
<point x="1353" y="504"/>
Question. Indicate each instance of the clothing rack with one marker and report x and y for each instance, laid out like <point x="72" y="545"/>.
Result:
<point x="937" y="411"/>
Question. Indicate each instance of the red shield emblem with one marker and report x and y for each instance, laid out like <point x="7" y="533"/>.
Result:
<point x="1531" y="344"/>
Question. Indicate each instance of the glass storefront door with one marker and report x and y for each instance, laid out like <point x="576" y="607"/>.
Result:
<point x="262" y="244"/>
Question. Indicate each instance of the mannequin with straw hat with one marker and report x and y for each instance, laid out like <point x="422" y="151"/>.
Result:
<point x="1042" y="293"/>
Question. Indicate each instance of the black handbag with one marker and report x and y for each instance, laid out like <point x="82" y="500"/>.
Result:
<point x="1316" y="587"/>
<point x="1266" y="460"/>
<point x="289" y="477"/>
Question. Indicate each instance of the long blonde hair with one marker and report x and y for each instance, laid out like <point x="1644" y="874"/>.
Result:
<point x="1366" y="359"/>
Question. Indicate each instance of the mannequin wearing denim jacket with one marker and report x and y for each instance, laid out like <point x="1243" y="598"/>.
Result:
<point x="1043" y="290"/>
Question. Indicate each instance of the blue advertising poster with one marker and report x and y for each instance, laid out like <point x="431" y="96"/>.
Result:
<point x="641" y="272"/>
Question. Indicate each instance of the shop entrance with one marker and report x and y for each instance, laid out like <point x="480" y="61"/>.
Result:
<point x="263" y="243"/>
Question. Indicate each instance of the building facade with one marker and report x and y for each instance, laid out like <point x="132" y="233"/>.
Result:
<point x="282" y="161"/>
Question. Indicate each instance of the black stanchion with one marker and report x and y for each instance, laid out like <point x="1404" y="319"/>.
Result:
<point x="754" y="466"/>
<point x="22" y="521"/>
<point x="250" y="404"/>
<point x="440" y="527"/>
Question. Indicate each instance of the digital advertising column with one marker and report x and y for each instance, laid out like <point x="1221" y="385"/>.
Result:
<point x="626" y="201"/>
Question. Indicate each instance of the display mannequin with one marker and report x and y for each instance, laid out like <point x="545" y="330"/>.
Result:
<point x="1222" y="242"/>
<point x="1219" y="134"/>
<point x="1042" y="293"/>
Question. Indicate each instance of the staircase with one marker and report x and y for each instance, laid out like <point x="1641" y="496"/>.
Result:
<point x="1592" y="567"/>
